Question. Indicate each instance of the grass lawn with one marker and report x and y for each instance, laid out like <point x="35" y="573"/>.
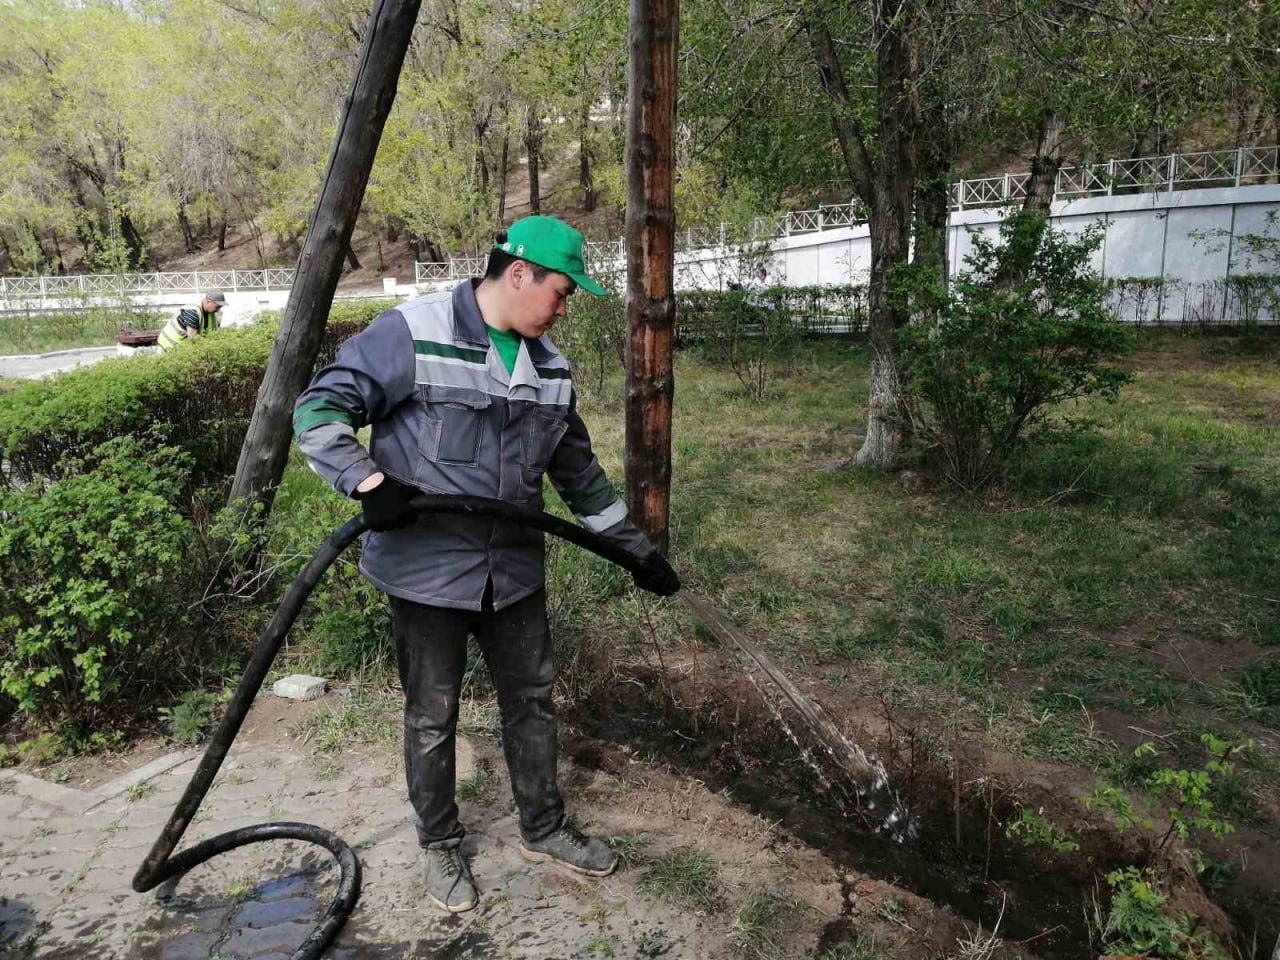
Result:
<point x="91" y="326"/>
<point x="1123" y="576"/>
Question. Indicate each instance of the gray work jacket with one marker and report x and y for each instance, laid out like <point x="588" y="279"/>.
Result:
<point x="447" y="418"/>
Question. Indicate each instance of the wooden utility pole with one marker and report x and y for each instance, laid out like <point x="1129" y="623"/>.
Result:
<point x="364" y="113"/>
<point x="651" y="222"/>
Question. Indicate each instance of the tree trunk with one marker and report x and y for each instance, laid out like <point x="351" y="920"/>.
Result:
<point x="222" y="234"/>
<point x="481" y="161"/>
<point x="532" y="143"/>
<point x="364" y="114"/>
<point x="502" y="175"/>
<point x="651" y="219"/>
<point x="352" y="262"/>
<point x="584" y="161"/>
<point x="42" y="257"/>
<point x="132" y="239"/>
<point x="889" y="226"/>
<point x="188" y="235"/>
<point x="1045" y="165"/>
<point x="60" y="266"/>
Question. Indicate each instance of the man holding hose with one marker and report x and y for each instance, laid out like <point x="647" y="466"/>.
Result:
<point x="466" y="395"/>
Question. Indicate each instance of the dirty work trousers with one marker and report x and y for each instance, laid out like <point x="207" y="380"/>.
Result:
<point x="431" y="652"/>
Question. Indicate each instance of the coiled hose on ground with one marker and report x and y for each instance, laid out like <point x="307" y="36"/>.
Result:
<point x="161" y="866"/>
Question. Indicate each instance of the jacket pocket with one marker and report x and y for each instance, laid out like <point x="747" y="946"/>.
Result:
<point x="453" y="429"/>
<point x="543" y="430"/>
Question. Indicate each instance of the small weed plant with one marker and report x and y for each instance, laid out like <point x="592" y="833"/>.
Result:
<point x="1033" y="829"/>
<point x="1139" y="922"/>
<point x="686" y="876"/>
<point x="192" y="718"/>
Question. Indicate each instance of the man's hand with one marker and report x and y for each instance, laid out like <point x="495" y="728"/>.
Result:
<point x="656" y="576"/>
<point x="385" y="505"/>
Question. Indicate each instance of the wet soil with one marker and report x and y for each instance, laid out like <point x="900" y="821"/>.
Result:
<point x="718" y="730"/>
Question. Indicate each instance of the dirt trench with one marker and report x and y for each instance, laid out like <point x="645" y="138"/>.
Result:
<point x="713" y="725"/>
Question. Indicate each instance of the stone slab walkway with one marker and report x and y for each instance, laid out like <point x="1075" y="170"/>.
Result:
<point x="67" y="857"/>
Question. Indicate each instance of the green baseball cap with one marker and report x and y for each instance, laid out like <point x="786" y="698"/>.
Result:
<point x="551" y="243"/>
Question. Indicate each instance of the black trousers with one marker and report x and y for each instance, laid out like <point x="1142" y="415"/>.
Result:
<point x="431" y="652"/>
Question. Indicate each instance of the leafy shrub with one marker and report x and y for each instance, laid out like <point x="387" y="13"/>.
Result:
<point x="345" y="627"/>
<point x="810" y="310"/>
<point x="1024" y="329"/>
<point x="593" y="335"/>
<point x="94" y="584"/>
<point x="749" y="334"/>
<point x="199" y="398"/>
<point x="1141" y="923"/>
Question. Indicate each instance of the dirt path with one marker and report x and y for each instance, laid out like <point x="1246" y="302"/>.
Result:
<point x="67" y="853"/>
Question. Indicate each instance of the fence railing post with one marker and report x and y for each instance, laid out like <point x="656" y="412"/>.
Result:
<point x="1239" y="164"/>
<point x="1111" y="176"/>
<point x="1173" y="169"/>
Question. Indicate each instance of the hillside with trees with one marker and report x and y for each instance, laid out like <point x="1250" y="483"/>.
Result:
<point x="139" y="136"/>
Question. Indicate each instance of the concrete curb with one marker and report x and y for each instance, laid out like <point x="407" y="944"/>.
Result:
<point x="82" y="801"/>
<point x="56" y="353"/>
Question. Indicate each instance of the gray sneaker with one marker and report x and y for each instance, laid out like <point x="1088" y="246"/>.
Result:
<point x="570" y="848"/>
<point x="449" y="881"/>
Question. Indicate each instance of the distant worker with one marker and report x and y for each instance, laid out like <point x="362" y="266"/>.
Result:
<point x="193" y="322"/>
<point x="755" y="288"/>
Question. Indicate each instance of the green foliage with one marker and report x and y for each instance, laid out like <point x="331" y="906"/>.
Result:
<point x="748" y="334"/>
<point x="593" y="336"/>
<point x="1190" y="798"/>
<point x="754" y="333"/>
<point x="1035" y="830"/>
<point x="1025" y="329"/>
<point x="199" y="398"/>
<point x="1139" y="922"/>
<point x="191" y="720"/>
<point x="95" y="584"/>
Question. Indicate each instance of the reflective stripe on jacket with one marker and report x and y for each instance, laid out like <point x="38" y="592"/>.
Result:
<point x="188" y="318"/>
<point x="447" y="418"/>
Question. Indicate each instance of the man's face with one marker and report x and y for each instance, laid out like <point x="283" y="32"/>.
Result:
<point x="539" y="303"/>
<point x="211" y="306"/>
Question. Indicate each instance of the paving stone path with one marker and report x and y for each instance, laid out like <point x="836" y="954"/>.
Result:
<point x="67" y="857"/>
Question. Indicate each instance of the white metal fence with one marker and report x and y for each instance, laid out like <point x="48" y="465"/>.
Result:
<point x="1178" y="171"/>
<point x="1175" y="171"/>
<point x="143" y="283"/>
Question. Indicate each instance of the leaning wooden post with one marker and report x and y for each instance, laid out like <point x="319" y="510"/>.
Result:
<point x="651" y="224"/>
<point x="364" y="113"/>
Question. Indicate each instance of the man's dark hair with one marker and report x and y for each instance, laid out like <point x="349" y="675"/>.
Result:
<point x="499" y="260"/>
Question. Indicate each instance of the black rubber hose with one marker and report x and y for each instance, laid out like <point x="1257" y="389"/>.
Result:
<point x="159" y="866"/>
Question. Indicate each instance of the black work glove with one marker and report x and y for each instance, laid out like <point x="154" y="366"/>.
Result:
<point x="656" y="575"/>
<point x="386" y="506"/>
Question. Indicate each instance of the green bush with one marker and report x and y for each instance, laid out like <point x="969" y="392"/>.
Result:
<point x="809" y="310"/>
<point x="1024" y="329"/>
<point x="345" y="627"/>
<point x="593" y="336"/>
<point x="199" y="397"/>
<point x="95" y="585"/>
